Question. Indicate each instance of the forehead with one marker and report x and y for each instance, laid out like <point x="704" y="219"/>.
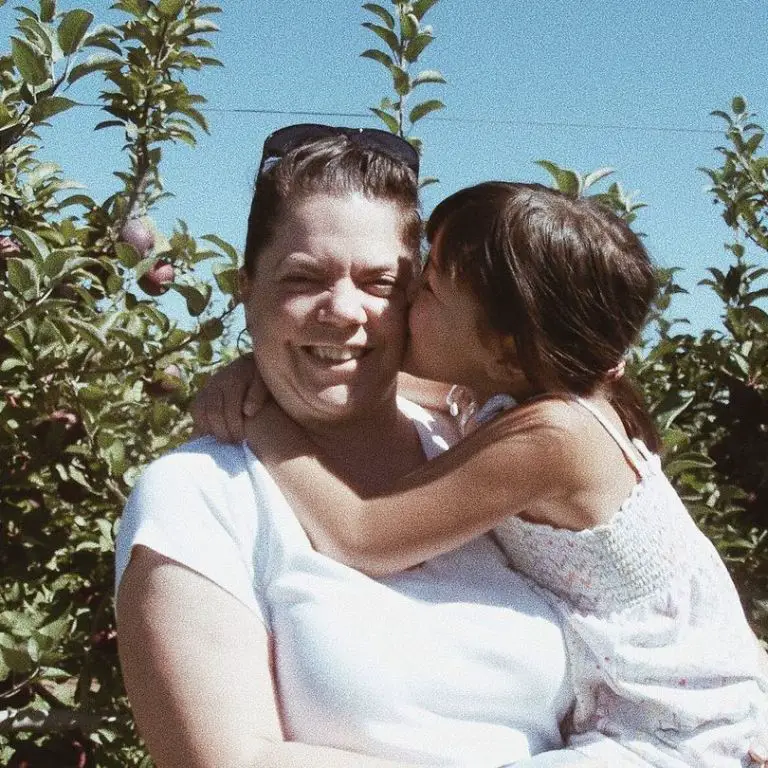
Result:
<point x="330" y="230"/>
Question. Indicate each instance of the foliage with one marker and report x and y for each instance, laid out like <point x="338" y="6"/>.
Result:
<point x="708" y="392"/>
<point x="94" y="376"/>
<point x="406" y="38"/>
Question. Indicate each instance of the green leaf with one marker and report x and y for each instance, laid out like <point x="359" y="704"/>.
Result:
<point x="567" y="181"/>
<point x="30" y="62"/>
<point x="93" y="63"/>
<point x="47" y="10"/>
<point x="423" y="109"/>
<point x="170" y="8"/>
<point x="72" y="29"/>
<point x="389" y="120"/>
<point x="49" y="107"/>
<point x="387" y="35"/>
<point x="416" y="45"/>
<point x="23" y="277"/>
<point x="16" y="659"/>
<point x="32" y="242"/>
<point x="409" y="25"/>
<point x="228" y="249"/>
<point x="400" y="80"/>
<point x="738" y="105"/>
<point x="753" y="143"/>
<point x="226" y="278"/>
<point x="127" y="254"/>
<point x="377" y="55"/>
<point x="428" y="76"/>
<point x="382" y="13"/>
<point x="88" y="331"/>
<point x="680" y="463"/>
<point x="212" y="329"/>
<point x="595" y="176"/>
<point x="755" y="295"/>
<point x="197" y="297"/>
<point x="420" y="8"/>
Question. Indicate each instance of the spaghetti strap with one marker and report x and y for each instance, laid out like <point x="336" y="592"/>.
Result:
<point x="628" y="448"/>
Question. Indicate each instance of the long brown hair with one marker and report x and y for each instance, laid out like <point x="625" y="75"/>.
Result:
<point x="564" y="277"/>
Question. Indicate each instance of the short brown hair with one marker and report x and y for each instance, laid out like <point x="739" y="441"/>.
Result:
<point x="332" y="166"/>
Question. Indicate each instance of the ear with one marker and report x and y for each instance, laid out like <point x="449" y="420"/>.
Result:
<point x="504" y="366"/>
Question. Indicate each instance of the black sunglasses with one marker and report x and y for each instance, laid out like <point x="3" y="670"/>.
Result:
<point x="285" y="139"/>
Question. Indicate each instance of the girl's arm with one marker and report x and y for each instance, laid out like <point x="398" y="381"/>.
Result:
<point x="197" y="667"/>
<point x="236" y="392"/>
<point x="516" y="464"/>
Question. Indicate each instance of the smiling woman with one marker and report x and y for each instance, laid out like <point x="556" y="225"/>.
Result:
<point x="240" y="644"/>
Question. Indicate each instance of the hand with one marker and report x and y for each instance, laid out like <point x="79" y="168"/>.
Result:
<point x="428" y="394"/>
<point x="230" y="396"/>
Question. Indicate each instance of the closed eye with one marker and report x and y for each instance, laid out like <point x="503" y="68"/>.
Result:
<point x="299" y="280"/>
<point x="382" y="287"/>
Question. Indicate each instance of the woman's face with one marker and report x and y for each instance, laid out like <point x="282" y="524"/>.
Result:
<point x="446" y="342"/>
<point x="326" y="307"/>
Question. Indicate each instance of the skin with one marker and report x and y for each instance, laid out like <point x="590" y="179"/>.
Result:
<point x="474" y="486"/>
<point x="447" y="339"/>
<point x="334" y="277"/>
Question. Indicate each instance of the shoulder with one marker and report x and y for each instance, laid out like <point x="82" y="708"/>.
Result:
<point x="197" y="461"/>
<point x="555" y="424"/>
<point x="196" y="506"/>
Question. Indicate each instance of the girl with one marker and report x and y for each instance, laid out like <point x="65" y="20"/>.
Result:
<point x="531" y="299"/>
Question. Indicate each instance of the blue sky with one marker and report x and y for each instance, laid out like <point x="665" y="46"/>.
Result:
<point x="584" y="83"/>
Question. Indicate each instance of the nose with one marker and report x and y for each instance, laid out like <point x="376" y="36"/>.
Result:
<point x="343" y="305"/>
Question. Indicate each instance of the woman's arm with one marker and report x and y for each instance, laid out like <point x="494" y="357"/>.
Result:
<point x="197" y="667"/>
<point x="518" y="463"/>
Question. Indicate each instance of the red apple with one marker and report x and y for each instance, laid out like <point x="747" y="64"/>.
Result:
<point x="135" y="232"/>
<point x="8" y="246"/>
<point x="157" y="278"/>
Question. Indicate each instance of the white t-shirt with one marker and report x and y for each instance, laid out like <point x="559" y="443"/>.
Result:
<point x="458" y="662"/>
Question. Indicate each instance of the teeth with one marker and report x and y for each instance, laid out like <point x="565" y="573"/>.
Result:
<point x="336" y="354"/>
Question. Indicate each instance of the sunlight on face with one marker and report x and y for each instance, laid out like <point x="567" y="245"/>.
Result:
<point x="326" y="306"/>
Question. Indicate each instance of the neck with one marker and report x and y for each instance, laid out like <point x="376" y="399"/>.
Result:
<point x="372" y="450"/>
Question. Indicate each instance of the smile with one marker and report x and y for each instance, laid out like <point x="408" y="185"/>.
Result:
<point x="336" y="354"/>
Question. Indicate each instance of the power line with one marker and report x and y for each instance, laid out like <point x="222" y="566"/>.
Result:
<point x="462" y="120"/>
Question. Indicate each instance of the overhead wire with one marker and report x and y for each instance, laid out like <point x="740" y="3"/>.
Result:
<point x="460" y="120"/>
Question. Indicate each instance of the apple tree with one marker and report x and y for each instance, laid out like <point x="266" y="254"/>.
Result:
<point x="95" y="375"/>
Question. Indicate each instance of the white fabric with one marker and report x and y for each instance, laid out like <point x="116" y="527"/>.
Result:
<point x="662" y="658"/>
<point x="459" y="662"/>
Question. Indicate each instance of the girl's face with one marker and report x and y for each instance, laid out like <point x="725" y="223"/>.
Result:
<point x="448" y="341"/>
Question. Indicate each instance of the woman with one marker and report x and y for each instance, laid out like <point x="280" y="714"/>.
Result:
<point x="241" y="645"/>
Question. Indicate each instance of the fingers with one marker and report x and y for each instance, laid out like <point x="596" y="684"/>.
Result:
<point x="209" y="413"/>
<point x="220" y="408"/>
<point x="218" y="418"/>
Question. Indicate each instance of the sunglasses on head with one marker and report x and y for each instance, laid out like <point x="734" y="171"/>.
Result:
<point x="285" y="139"/>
